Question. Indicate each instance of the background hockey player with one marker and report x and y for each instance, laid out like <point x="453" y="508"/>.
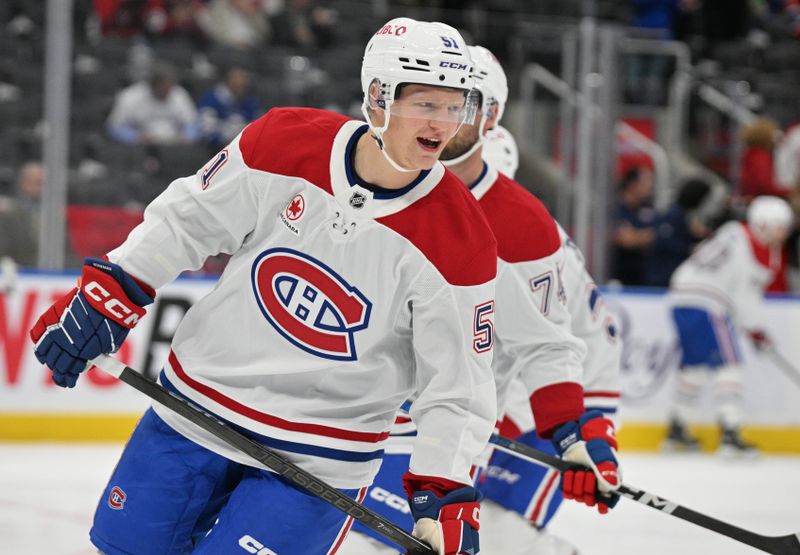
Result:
<point x="529" y="492"/>
<point x="534" y="340"/>
<point x="718" y="290"/>
<point x="362" y="273"/>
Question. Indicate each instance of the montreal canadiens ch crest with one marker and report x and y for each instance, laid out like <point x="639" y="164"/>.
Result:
<point x="309" y="304"/>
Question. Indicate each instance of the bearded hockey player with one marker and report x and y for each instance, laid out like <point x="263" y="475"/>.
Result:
<point x="362" y="275"/>
<point x="534" y="341"/>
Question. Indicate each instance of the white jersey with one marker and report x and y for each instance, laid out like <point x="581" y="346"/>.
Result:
<point x="534" y="345"/>
<point x="337" y="305"/>
<point x="534" y="338"/>
<point x="727" y="274"/>
<point x="595" y="325"/>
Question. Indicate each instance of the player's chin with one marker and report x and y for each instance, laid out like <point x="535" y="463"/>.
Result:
<point x="426" y="159"/>
<point x="425" y="162"/>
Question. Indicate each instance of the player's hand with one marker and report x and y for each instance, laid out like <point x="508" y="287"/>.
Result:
<point x="449" y="524"/>
<point x="589" y="442"/>
<point x="760" y="339"/>
<point x="90" y="320"/>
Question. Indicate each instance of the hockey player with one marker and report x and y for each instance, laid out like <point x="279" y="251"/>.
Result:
<point x="534" y="340"/>
<point x="718" y="289"/>
<point x="521" y="497"/>
<point x="362" y="273"/>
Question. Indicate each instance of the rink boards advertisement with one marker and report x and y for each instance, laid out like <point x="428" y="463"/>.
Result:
<point x="101" y="408"/>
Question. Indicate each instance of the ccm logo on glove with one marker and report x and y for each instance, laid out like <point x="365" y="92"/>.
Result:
<point x="114" y="307"/>
<point x="107" y="296"/>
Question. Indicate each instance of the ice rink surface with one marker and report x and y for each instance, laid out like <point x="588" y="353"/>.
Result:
<point x="48" y="494"/>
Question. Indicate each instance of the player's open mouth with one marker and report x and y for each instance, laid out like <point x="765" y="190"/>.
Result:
<point x="431" y="145"/>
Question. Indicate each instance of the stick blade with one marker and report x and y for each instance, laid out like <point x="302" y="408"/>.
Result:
<point x="784" y="545"/>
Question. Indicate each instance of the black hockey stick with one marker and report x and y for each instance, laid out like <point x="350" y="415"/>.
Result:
<point x="783" y="363"/>
<point x="262" y="454"/>
<point x="777" y="545"/>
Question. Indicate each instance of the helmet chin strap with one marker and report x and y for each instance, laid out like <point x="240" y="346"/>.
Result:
<point x="377" y="133"/>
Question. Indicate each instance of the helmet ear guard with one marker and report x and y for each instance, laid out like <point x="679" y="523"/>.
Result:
<point x="376" y="96"/>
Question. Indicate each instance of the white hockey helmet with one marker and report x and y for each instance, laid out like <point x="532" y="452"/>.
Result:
<point x="419" y="52"/>
<point x="767" y="214"/>
<point x="500" y="151"/>
<point x="491" y="82"/>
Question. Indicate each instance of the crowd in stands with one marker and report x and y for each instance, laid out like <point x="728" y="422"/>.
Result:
<point x="158" y="86"/>
<point x="647" y="246"/>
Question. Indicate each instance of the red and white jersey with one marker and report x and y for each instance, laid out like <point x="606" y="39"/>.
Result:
<point x="338" y="304"/>
<point x="535" y="350"/>
<point x="593" y="323"/>
<point x="727" y="274"/>
<point x="534" y="338"/>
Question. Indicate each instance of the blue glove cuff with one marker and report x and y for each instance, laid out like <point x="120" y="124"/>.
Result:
<point x="565" y="436"/>
<point x="426" y="504"/>
<point x="569" y="433"/>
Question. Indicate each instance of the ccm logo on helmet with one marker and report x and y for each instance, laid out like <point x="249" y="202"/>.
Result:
<point x="112" y="305"/>
<point x="452" y="65"/>
<point x="309" y="304"/>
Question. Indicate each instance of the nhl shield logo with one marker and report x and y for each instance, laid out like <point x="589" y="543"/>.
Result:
<point x="309" y="304"/>
<point x="358" y="200"/>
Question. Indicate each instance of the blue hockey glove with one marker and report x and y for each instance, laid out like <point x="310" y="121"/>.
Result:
<point x="90" y="320"/>
<point x="449" y="524"/>
<point x="590" y="443"/>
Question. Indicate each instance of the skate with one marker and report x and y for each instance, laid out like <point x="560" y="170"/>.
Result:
<point x="732" y="445"/>
<point x="679" y="440"/>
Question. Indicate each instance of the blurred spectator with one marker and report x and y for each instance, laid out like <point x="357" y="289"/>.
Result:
<point x="19" y="217"/>
<point x="127" y="18"/>
<point x="787" y="159"/>
<point x="179" y="19"/>
<point x="305" y="25"/>
<point x="646" y="73"/>
<point x="757" y="175"/>
<point x="658" y="15"/>
<point x="633" y="234"/>
<point x="157" y="111"/>
<point x="227" y="108"/>
<point x="677" y="231"/>
<point x="241" y="24"/>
